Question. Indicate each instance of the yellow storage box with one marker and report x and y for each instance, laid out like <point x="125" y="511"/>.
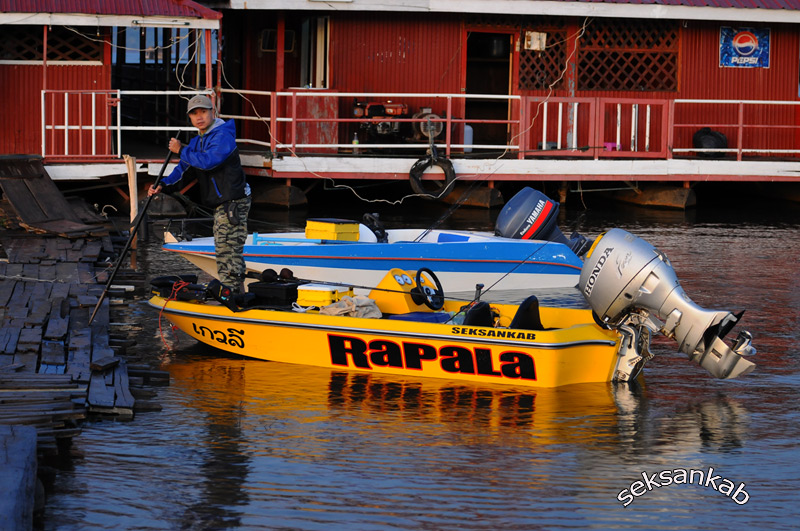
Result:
<point x="321" y="294"/>
<point x="332" y="229"/>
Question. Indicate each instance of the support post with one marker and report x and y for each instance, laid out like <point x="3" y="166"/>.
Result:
<point x="133" y="195"/>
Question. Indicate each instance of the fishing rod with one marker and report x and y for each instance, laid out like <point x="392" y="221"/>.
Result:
<point x="137" y="222"/>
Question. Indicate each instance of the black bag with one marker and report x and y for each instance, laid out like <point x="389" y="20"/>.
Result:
<point x="232" y="210"/>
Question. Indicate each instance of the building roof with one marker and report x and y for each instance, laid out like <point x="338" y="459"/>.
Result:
<point x="735" y="4"/>
<point x="185" y="13"/>
<point x="739" y="11"/>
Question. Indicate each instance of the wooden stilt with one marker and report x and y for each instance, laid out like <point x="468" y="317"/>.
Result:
<point x="133" y="195"/>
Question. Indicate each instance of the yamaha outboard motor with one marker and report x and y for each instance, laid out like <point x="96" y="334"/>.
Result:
<point x="631" y="286"/>
<point x="531" y="215"/>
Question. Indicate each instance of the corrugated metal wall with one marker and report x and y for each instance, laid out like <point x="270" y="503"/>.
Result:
<point x="373" y="52"/>
<point x="259" y="68"/>
<point x="20" y="109"/>
<point x="391" y="52"/>
<point x="397" y="53"/>
<point x="76" y="78"/>
<point x="369" y="52"/>
<point x="702" y="77"/>
<point x="21" y="105"/>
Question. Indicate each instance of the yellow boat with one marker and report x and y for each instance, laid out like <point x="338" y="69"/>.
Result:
<point x="407" y="327"/>
<point x="571" y="349"/>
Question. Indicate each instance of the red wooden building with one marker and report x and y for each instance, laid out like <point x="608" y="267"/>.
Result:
<point x="681" y="91"/>
<point x="622" y="87"/>
<point x="62" y="64"/>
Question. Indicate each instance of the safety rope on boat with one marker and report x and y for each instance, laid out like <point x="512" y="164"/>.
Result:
<point x="176" y="287"/>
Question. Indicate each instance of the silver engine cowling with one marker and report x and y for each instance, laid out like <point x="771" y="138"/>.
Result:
<point x="629" y="283"/>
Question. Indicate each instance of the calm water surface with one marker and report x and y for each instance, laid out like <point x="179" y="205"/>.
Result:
<point x="244" y="444"/>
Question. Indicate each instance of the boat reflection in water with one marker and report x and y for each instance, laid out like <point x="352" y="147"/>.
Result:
<point x="249" y="389"/>
<point x="304" y="445"/>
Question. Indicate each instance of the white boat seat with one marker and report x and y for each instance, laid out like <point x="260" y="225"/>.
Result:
<point x="365" y="234"/>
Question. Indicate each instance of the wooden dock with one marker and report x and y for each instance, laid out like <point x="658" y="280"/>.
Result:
<point x="55" y="367"/>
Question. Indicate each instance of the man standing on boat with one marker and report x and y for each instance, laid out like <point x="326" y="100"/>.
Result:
<point x="213" y="159"/>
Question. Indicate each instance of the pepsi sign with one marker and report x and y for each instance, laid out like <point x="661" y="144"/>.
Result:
<point x="744" y="47"/>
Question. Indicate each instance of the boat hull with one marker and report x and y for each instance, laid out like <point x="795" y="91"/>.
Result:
<point x="500" y="263"/>
<point x="580" y="353"/>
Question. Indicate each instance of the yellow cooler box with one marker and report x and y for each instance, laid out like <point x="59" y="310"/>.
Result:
<point x="321" y="294"/>
<point x="332" y="229"/>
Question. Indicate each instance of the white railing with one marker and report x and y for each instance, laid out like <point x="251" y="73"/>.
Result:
<point x="63" y="112"/>
<point x="89" y="124"/>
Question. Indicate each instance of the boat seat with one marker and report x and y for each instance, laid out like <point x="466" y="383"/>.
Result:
<point x="527" y="316"/>
<point x="480" y="314"/>
<point x="446" y="238"/>
<point x="426" y="317"/>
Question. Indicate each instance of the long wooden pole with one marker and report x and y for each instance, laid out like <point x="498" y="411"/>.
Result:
<point x="135" y="227"/>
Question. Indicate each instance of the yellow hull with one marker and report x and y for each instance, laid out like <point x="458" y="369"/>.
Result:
<point x="578" y="351"/>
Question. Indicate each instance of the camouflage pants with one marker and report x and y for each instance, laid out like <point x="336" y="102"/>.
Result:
<point x="229" y="243"/>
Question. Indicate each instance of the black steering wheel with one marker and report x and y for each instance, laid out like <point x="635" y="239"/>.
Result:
<point x="432" y="298"/>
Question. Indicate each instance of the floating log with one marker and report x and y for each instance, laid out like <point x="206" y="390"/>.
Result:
<point x="666" y="197"/>
<point x="149" y="375"/>
<point x="18" y="480"/>
<point x="105" y="363"/>
<point x="142" y="393"/>
<point x="124" y="397"/>
<point x="474" y="196"/>
<point x="147" y="405"/>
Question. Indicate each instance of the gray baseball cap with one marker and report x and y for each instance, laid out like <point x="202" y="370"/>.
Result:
<point x="199" y="101"/>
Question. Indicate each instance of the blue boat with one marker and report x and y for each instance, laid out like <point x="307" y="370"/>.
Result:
<point x="527" y="250"/>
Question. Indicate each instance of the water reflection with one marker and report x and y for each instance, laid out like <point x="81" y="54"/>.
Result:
<point x="246" y="444"/>
<point x="217" y="390"/>
<point x="569" y="414"/>
<point x="306" y="431"/>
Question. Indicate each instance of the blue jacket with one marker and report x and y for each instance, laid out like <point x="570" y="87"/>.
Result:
<point x="213" y="159"/>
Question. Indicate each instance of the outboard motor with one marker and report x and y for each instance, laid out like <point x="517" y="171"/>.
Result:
<point x="631" y="285"/>
<point x="531" y="215"/>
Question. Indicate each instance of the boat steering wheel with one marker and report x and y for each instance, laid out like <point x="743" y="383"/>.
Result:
<point x="432" y="298"/>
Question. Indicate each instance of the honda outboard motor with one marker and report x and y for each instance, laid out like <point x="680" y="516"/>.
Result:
<point x="531" y="215"/>
<point x="629" y="283"/>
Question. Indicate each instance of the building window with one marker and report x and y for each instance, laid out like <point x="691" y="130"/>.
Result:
<point x="268" y="41"/>
<point x="619" y="55"/>
<point x="314" y="46"/>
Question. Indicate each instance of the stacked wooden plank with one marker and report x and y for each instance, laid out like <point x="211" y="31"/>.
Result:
<point x="55" y="366"/>
<point x="54" y="404"/>
<point x="48" y="290"/>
